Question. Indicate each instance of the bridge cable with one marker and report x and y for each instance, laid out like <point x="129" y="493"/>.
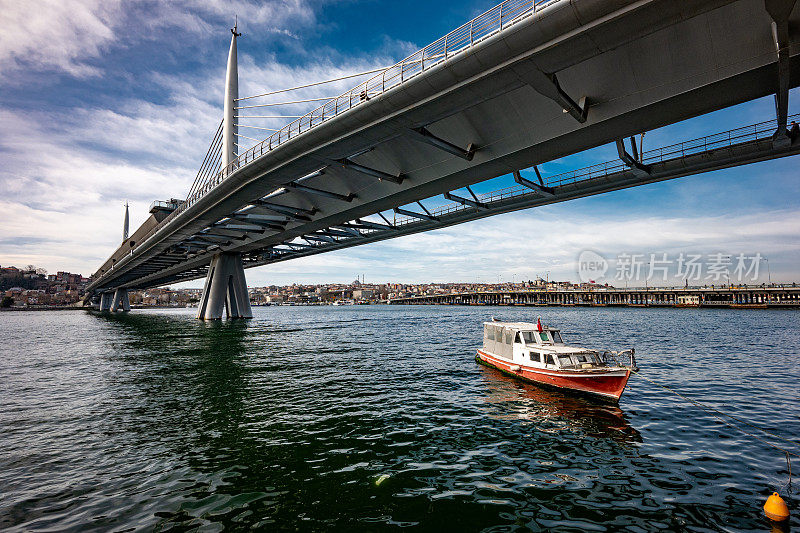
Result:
<point x="213" y="163"/>
<point x="209" y="156"/>
<point x="212" y="168"/>
<point x="217" y="136"/>
<point x="255" y="127"/>
<point x="214" y="147"/>
<point x="246" y="137"/>
<point x="216" y="164"/>
<point x="268" y="116"/>
<point x="313" y="84"/>
<point x="288" y="103"/>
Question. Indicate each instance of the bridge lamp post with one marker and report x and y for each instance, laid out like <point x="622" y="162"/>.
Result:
<point x="769" y="274"/>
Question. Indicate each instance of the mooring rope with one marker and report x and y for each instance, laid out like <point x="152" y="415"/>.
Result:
<point x="715" y="412"/>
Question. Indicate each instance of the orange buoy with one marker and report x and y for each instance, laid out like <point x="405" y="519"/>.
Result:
<point x="776" y="508"/>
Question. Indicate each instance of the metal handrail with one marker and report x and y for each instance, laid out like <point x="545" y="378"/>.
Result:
<point x="496" y="19"/>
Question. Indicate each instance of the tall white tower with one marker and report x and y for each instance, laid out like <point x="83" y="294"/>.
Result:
<point x="229" y="129"/>
<point x="125" y="224"/>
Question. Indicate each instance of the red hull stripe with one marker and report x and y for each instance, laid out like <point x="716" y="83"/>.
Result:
<point x="610" y="385"/>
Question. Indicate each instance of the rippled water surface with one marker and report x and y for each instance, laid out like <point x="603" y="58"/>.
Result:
<point x="377" y="417"/>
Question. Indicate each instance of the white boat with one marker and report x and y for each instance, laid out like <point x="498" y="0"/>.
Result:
<point x="538" y="354"/>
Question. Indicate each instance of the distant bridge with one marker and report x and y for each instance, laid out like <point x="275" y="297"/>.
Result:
<point x="731" y="297"/>
<point x="520" y="85"/>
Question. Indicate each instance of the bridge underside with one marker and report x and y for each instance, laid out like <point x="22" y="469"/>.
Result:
<point x="571" y="77"/>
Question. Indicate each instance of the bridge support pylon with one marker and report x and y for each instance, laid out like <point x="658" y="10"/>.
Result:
<point x="225" y="288"/>
<point x="121" y="301"/>
<point x="105" y="301"/>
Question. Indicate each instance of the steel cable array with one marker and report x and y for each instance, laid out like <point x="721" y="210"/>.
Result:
<point x="211" y="162"/>
<point x="240" y="117"/>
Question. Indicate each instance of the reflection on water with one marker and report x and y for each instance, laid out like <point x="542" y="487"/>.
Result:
<point x="370" y="418"/>
<point x="553" y="411"/>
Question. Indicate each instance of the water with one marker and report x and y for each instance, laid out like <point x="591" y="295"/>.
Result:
<point x="375" y="418"/>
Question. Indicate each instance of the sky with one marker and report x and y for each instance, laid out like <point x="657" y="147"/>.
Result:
<point x="104" y="102"/>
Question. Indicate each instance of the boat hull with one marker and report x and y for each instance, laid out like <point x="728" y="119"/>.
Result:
<point x="606" y="386"/>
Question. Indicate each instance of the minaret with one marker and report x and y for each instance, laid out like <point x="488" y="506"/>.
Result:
<point x="229" y="129"/>
<point x="125" y="224"/>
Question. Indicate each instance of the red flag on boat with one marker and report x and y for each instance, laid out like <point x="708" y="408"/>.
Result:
<point x="539" y="324"/>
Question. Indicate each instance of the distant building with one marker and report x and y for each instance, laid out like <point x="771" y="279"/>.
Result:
<point x="363" y="294"/>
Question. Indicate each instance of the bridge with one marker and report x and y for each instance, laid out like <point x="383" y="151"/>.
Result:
<point x="522" y="84"/>
<point x="733" y="297"/>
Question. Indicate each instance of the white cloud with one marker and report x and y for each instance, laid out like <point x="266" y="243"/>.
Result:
<point x="55" y="34"/>
<point x="67" y="35"/>
<point x="62" y="205"/>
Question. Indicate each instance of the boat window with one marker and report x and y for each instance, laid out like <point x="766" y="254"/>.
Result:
<point x="556" y="337"/>
<point x="564" y="360"/>
<point x="549" y="359"/>
<point x="508" y="337"/>
<point x="535" y="357"/>
<point x="543" y="335"/>
<point x="490" y="333"/>
<point x="529" y="338"/>
<point x="518" y="340"/>
<point x="581" y="358"/>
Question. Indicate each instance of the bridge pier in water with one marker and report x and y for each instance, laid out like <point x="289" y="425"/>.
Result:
<point x="105" y="301"/>
<point x="226" y="288"/>
<point x="121" y="302"/>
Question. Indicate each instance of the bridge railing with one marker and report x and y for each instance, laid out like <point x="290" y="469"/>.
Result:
<point x="485" y="25"/>
<point x="753" y="132"/>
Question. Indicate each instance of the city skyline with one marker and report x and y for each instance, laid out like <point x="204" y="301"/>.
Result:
<point x="118" y="105"/>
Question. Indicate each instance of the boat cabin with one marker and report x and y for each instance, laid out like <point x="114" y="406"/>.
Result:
<point x="522" y="343"/>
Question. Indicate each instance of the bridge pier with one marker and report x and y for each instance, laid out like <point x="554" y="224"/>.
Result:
<point x="105" y="301"/>
<point x="226" y="288"/>
<point x="121" y="301"/>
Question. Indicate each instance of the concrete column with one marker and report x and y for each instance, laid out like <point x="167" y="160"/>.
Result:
<point x="225" y="287"/>
<point x="121" y="301"/>
<point x="105" y="301"/>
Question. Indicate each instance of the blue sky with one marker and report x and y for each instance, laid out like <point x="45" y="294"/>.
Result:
<point x="104" y="101"/>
